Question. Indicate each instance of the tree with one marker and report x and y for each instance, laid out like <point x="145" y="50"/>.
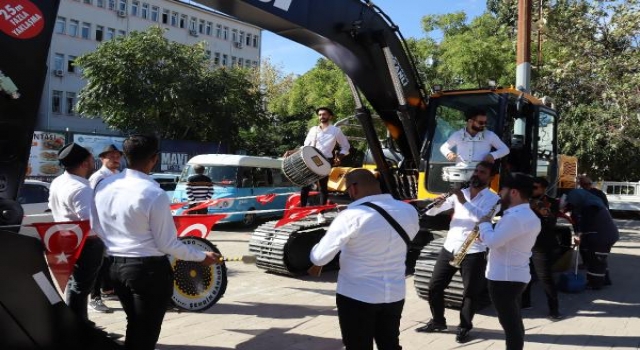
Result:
<point x="143" y="82"/>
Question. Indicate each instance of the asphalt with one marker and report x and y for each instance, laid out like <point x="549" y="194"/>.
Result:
<point x="266" y="311"/>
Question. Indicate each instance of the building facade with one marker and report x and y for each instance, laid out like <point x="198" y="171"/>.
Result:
<point x="82" y="25"/>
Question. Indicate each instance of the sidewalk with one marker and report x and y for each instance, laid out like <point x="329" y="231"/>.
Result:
<point x="266" y="311"/>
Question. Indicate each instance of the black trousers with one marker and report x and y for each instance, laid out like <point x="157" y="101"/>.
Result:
<point x="542" y="263"/>
<point x="361" y="323"/>
<point x="144" y="287"/>
<point x="103" y="282"/>
<point x="596" y="258"/>
<point x="473" y="280"/>
<point x="506" y="296"/>
<point x="324" y="192"/>
<point x="85" y="272"/>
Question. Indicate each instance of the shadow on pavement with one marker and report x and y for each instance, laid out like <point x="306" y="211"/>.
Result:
<point x="275" y="311"/>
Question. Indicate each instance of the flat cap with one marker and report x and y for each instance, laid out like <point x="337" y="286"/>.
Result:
<point x="72" y="155"/>
<point x="109" y="148"/>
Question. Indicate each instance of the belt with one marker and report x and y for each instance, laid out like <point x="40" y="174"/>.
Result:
<point x="144" y="259"/>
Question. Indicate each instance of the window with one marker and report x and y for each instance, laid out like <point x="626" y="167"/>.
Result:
<point x="216" y="58"/>
<point x="58" y="61"/>
<point x="218" y="31"/>
<point x="122" y="33"/>
<point x="225" y="33"/>
<point x="111" y="33"/>
<point x="112" y="4"/>
<point x="165" y="16"/>
<point x="233" y="61"/>
<point x="71" y="68"/>
<point x="183" y="21"/>
<point x="122" y="5"/>
<point x="224" y="60"/>
<point x="73" y="27"/>
<point x="86" y="30"/>
<point x="33" y="193"/>
<point x="209" y="28"/>
<point x="255" y="41"/>
<point x="99" y="33"/>
<point x="192" y="23"/>
<point x="154" y="13"/>
<point x="61" y="24"/>
<point x="247" y="64"/>
<point x="174" y="19"/>
<point x="71" y="102"/>
<point x="88" y="2"/>
<point x="207" y="54"/>
<point x="240" y="62"/>
<point x="56" y="101"/>
<point x="255" y="64"/>
<point x="144" y="13"/>
<point x="201" y="26"/>
<point x="234" y="35"/>
<point x="100" y="3"/>
<point x="248" y="41"/>
<point x="135" y="7"/>
<point x="241" y="38"/>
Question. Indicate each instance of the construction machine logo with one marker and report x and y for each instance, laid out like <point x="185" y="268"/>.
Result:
<point x="20" y="19"/>
<point x="402" y="76"/>
<point x="281" y="4"/>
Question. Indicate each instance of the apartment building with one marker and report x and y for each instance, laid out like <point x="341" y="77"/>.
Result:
<point x="82" y="25"/>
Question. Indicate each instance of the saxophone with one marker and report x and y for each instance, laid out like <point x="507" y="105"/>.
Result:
<point x="473" y="235"/>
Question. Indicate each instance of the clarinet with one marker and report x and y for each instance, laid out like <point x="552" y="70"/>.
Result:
<point x="447" y="195"/>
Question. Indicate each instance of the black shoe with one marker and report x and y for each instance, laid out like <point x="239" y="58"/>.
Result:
<point x="555" y="316"/>
<point x="431" y="327"/>
<point x="462" y="335"/>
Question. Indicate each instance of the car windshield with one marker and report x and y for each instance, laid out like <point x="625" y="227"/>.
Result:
<point x="224" y="175"/>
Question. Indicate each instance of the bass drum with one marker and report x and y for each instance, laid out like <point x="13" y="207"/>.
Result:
<point x="424" y="270"/>
<point x="306" y="166"/>
<point x="197" y="287"/>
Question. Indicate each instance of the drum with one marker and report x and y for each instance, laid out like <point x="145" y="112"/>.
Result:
<point x="458" y="173"/>
<point x="197" y="287"/>
<point x="306" y="166"/>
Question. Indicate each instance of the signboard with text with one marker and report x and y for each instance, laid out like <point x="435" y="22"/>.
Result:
<point x="43" y="159"/>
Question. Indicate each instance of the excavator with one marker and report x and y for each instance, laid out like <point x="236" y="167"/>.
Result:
<point x="359" y="38"/>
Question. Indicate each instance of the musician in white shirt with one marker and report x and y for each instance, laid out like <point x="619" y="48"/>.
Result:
<point x="474" y="143"/>
<point x="510" y="244"/>
<point x="371" y="282"/>
<point x="324" y="137"/>
<point x="132" y="215"/>
<point x="70" y="199"/>
<point x="469" y="204"/>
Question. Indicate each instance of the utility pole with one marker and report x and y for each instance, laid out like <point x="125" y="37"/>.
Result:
<point x="523" y="49"/>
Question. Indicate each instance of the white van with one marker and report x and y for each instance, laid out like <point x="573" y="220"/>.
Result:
<point x="240" y="179"/>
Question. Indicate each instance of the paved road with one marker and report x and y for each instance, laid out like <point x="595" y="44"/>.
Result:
<point x="266" y="311"/>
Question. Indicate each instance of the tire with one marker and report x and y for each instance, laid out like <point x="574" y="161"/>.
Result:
<point x="197" y="287"/>
<point x="249" y="220"/>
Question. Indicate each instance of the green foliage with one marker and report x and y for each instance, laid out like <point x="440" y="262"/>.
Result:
<point x="145" y="83"/>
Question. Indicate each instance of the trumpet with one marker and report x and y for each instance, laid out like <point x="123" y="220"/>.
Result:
<point x="441" y="200"/>
<point x="473" y="235"/>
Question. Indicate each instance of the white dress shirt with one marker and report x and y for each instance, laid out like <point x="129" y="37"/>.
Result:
<point x="474" y="148"/>
<point x="465" y="218"/>
<point x="372" y="259"/>
<point x="101" y="174"/>
<point x="510" y="244"/>
<point x="70" y="198"/>
<point x="325" y="140"/>
<point x="132" y="216"/>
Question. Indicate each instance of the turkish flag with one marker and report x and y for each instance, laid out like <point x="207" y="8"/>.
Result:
<point x="196" y="225"/>
<point x="266" y="198"/>
<point x="204" y="204"/>
<point x="176" y="206"/>
<point x="63" y="242"/>
<point x="299" y="213"/>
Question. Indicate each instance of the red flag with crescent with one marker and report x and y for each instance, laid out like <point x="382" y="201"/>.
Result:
<point x="196" y="225"/>
<point x="63" y="242"/>
<point x="266" y="198"/>
<point x="299" y="213"/>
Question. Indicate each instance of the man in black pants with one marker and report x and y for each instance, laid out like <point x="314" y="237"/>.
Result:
<point x="132" y="216"/>
<point x="542" y="255"/>
<point x="510" y="244"/>
<point x="470" y="204"/>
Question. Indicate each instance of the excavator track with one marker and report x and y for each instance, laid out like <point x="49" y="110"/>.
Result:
<point x="424" y="271"/>
<point x="285" y="250"/>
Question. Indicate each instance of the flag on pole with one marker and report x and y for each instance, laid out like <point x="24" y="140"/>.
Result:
<point x="196" y="225"/>
<point x="299" y="213"/>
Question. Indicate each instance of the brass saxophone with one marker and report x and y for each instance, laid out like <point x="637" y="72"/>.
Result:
<point x="473" y="235"/>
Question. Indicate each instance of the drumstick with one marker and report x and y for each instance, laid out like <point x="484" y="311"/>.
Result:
<point x="247" y="259"/>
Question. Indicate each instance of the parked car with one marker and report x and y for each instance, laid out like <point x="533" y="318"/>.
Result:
<point x="34" y="198"/>
<point x="167" y="181"/>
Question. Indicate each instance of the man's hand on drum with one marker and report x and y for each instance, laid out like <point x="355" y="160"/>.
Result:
<point x="452" y="156"/>
<point x="212" y="258"/>
<point x="288" y="153"/>
<point x="337" y="160"/>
